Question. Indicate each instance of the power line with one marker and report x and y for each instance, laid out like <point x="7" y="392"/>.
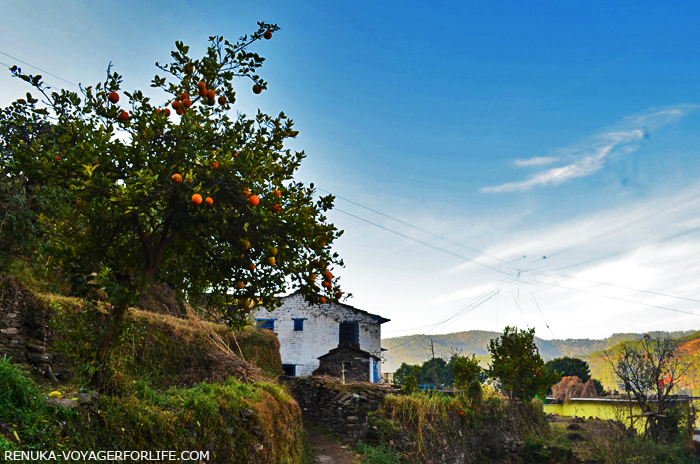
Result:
<point x="561" y="350"/>
<point x="661" y="240"/>
<point x="611" y="297"/>
<point x="521" y="311"/>
<point x="611" y="285"/>
<point x="421" y="242"/>
<point x="416" y="227"/>
<point x="662" y="211"/>
<point x="38" y="69"/>
<point x="523" y="269"/>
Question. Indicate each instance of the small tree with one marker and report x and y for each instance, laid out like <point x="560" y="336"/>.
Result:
<point x="403" y="371"/>
<point x="650" y="368"/>
<point x="466" y="370"/>
<point x="567" y="367"/>
<point x="517" y="364"/>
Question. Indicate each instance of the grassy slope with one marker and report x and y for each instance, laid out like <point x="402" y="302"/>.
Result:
<point x="156" y="400"/>
<point x="415" y="349"/>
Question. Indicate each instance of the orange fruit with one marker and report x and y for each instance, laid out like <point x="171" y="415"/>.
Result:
<point x="251" y="267"/>
<point x="240" y="285"/>
<point x="189" y="68"/>
<point x="267" y="35"/>
<point x="113" y="97"/>
<point x="209" y="201"/>
<point x="202" y="92"/>
<point x="276" y="208"/>
<point x="246" y="193"/>
<point x="211" y="94"/>
<point x="273" y="251"/>
<point x="201" y="85"/>
<point x="176" y="105"/>
<point x="312" y="278"/>
<point x="222" y="100"/>
<point x="257" y="89"/>
<point x="177" y="178"/>
<point x="235" y="154"/>
<point x="278" y="193"/>
<point x="184" y="96"/>
<point x="327" y="275"/>
<point x="254" y="200"/>
<point x="322" y="300"/>
<point x="167" y="112"/>
<point x="215" y="164"/>
<point x="339" y="294"/>
<point x="326" y="284"/>
<point x="179" y="112"/>
<point x="246" y="244"/>
<point x="186" y="102"/>
<point x="123" y="116"/>
<point x="58" y="158"/>
<point x="197" y="199"/>
<point x="271" y="261"/>
<point x="79" y="204"/>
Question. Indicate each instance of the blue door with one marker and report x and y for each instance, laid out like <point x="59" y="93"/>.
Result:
<point x="375" y="371"/>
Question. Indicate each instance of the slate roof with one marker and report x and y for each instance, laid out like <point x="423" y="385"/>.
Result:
<point x="381" y="319"/>
<point x="349" y="346"/>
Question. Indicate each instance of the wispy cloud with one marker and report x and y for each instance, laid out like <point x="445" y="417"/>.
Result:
<point x="592" y="155"/>
<point x="537" y="161"/>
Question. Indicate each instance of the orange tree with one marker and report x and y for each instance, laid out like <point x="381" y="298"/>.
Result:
<point x="518" y="366"/>
<point x="205" y="201"/>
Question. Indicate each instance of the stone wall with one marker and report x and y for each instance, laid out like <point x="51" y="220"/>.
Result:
<point x="337" y="407"/>
<point x="321" y="331"/>
<point x="25" y="335"/>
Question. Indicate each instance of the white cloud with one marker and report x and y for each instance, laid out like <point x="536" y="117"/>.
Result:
<point x="537" y="161"/>
<point x="592" y="155"/>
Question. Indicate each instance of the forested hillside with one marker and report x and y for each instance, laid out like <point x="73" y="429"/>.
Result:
<point x="415" y="349"/>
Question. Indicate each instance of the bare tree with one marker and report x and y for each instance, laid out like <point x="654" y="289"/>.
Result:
<point x="650" y="368"/>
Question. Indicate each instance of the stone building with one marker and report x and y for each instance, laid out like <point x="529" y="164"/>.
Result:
<point x="309" y="332"/>
<point x="350" y="363"/>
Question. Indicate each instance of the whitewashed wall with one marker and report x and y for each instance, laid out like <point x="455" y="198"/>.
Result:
<point x="321" y="331"/>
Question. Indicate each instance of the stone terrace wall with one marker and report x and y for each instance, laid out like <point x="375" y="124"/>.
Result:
<point x="24" y="330"/>
<point x="337" y="407"/>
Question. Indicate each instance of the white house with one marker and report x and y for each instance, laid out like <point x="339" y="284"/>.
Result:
<point x="308" y="332"/>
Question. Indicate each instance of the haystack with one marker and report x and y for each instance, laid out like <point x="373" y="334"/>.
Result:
<point x="573" y="387"/>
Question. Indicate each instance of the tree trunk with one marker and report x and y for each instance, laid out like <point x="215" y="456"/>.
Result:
<point x="105" y="344"/>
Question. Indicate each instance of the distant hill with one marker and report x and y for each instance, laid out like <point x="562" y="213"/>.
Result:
<point x="415" y="349"/>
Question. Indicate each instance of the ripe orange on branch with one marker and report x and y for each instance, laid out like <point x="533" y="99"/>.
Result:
<point x="277" y="193"/>
<point x="113" y="97"/>
<point x="209" y="201"/>
<point x="215" y="164"/>
<point x="177" y="178"/>
<point x="123" y="116"/>
<point x="271" y="261"/>
<point x="257" y="89"/>
<point x="201" y="85"/>
<point x="240" y="285"/>
<point x="202" y="92"/>
<point x="197" y="199"/>
<point x="322" y="300"/>
<point x="246" y="193"/>
<point x="327" y="275"/>
<point x="254" y="200"/>
<point x="176" y="105"/>
<point x="211" y="94"/>
<point x="267" y="35"/>
<point x="222" y="100"/>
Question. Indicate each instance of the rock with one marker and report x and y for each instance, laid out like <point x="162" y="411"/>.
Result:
<point x="574" y="427"/>
<point x="575" y="437"/>
<point x="10" y="331"/>
<point x="67" y="403"/>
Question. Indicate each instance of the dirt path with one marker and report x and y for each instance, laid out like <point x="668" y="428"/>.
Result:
<point x="327" y="451"/>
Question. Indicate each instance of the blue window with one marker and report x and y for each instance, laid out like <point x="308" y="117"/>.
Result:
<point x="290" y="369"/>
<point x="298" y="325"/>
<point x="268" y="324"/>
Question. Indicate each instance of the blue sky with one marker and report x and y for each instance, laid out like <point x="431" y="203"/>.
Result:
<point x="518" y="128"/>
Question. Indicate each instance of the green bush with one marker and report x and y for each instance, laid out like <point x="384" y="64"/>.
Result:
<point x="379" y="454"/>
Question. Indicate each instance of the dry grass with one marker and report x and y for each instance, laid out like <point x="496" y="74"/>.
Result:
<point x="573" y="387"/>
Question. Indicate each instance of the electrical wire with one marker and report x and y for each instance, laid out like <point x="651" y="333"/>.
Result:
<point x="416" y="227"/>
<point x="38" y="69"/>
<point x="422" y="242"/>
<point x="521" y="310"/>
